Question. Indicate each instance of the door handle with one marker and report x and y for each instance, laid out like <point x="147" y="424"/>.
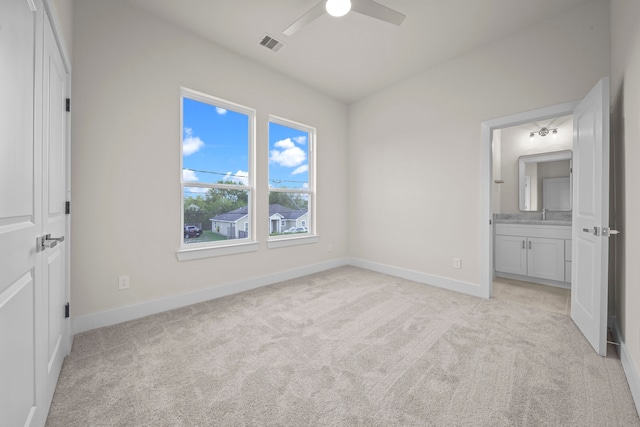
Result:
<point x="47" y="241"/>
<point x="595" y="231"/>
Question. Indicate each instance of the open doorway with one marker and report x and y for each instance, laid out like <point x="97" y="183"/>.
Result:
<point x="590" y="207"/>
<point x="531" y="210"/>
<point x="501" y="184"/>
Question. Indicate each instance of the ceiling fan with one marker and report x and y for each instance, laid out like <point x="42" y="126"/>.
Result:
<point x="342" y="7"/>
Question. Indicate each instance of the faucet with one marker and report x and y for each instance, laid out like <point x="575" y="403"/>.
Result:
<point x="544" y="214"/>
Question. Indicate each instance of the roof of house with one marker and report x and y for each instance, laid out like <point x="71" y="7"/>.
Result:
<point x="237" y="214"/>
<point x="286" y="213"/>
<point x="232" y="216"/>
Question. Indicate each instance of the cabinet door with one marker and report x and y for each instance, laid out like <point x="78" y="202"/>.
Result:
<point x="546" y="258"/>
<point x="511" y="255"/>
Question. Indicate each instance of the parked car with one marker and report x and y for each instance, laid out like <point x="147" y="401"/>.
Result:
<point x="192" y="231"/>
<point x="296" y="230"/>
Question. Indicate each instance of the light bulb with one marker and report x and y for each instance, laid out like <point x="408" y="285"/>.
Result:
<point x="554" y="133"/>
<point x="531" y="136"/>
<point x="338" y="8"/>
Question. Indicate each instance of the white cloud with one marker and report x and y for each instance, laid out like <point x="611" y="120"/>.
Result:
<point x="189" y="176"/>
<point x="289" y="156"/>
<point x="284" y="143"/>
<point x="197" y="190"/>
<point x="221" y="111"/>
<point x="240" y="177"/>
<point x="302" y="140"/>
<point x="191" y="143"/>
<point x="300" y="169"/>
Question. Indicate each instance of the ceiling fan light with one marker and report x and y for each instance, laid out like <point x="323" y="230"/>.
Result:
<point x="338" y="8"/>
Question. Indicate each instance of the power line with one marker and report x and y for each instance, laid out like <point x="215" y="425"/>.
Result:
<point x="275" y="181"/>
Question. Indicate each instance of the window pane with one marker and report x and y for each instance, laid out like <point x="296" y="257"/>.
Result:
<point x="215" y="144"/>
<point x="288" y="157"/>
<point x="212" y="214"/>
<point x="288" y="213"/>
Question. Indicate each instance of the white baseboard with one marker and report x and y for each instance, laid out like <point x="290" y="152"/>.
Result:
<point x="630" y="371"/>
<point x="428" y="279"/>
<point x="124" y="314"/>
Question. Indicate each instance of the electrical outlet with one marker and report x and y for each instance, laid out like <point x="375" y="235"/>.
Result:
<point x="123" y="282"/>
<point x="457" y="263"/>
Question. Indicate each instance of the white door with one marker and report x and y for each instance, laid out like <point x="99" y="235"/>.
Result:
<point x="33" y="280"/>
<point x="590" y="248"/>
<point x="20" y="215"/>
<point x="53" y="209"/>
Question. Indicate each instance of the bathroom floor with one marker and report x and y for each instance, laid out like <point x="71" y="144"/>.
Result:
<point x="544" y="297"/>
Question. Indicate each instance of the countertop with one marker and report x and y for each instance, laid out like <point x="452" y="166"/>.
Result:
<point x="533" y="221"/>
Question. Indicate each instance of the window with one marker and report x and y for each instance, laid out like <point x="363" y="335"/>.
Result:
<point x="291" y="184"/>
<point x="217" y="171"/>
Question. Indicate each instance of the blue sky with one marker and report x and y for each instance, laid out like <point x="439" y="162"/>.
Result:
<point x="216" y="140"/>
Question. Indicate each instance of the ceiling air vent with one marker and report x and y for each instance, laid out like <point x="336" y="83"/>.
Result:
<point x="271" y="43"/>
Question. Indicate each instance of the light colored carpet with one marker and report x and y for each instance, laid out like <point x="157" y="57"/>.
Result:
<point x="347" y="347"/>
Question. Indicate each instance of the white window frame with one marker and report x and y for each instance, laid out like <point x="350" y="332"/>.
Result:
<point x="221" y="247"/>
<point x="311" y="236"/>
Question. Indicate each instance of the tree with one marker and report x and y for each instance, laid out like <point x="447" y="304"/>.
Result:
<point x="296" y="201"/>
<point x="198" y="210"/>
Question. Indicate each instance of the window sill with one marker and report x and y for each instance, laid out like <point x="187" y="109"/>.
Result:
<point x="208" y="252"/>
<point x="291" y="241"/>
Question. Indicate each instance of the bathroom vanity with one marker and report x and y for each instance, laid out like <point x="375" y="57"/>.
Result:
<point x="534" y="250"/>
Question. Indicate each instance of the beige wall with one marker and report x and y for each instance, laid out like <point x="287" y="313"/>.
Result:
<point x="128" y="70"/>
<point x="625" y="93"/>
<point x="415" y="148"/>
<point x="64" y="14"/>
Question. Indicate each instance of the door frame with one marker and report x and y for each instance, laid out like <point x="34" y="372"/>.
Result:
<point x="486" y="228"/>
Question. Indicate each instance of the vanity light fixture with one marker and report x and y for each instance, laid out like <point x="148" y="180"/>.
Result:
<point x="543" y="131"/>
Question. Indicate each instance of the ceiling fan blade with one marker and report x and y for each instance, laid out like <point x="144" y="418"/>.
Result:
<point x="378" y="11"/>
<point x="314" y="13"/>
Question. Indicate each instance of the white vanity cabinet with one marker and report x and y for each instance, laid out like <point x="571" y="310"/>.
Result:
<point x="533" y="252"/>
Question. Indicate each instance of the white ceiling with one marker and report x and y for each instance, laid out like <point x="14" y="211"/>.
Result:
<point x="353" y="56"/>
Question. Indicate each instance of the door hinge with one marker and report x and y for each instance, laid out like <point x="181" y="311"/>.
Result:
<point x="66" y="311"/>
<point x="67" y="207"/>
<point x="68" y="104"/>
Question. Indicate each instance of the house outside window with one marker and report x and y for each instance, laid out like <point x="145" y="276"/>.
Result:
<point x="217" y="173"/>
<point x="291" y="177"/>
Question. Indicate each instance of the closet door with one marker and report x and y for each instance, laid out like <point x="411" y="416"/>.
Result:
<point x="20" y="214"/>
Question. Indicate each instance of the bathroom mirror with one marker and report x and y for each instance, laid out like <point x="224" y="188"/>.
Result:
<point x="545" y="181"/>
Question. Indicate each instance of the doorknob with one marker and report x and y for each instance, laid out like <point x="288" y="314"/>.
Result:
<point x="595" y="231"/>
<point x="47" y="241"/>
